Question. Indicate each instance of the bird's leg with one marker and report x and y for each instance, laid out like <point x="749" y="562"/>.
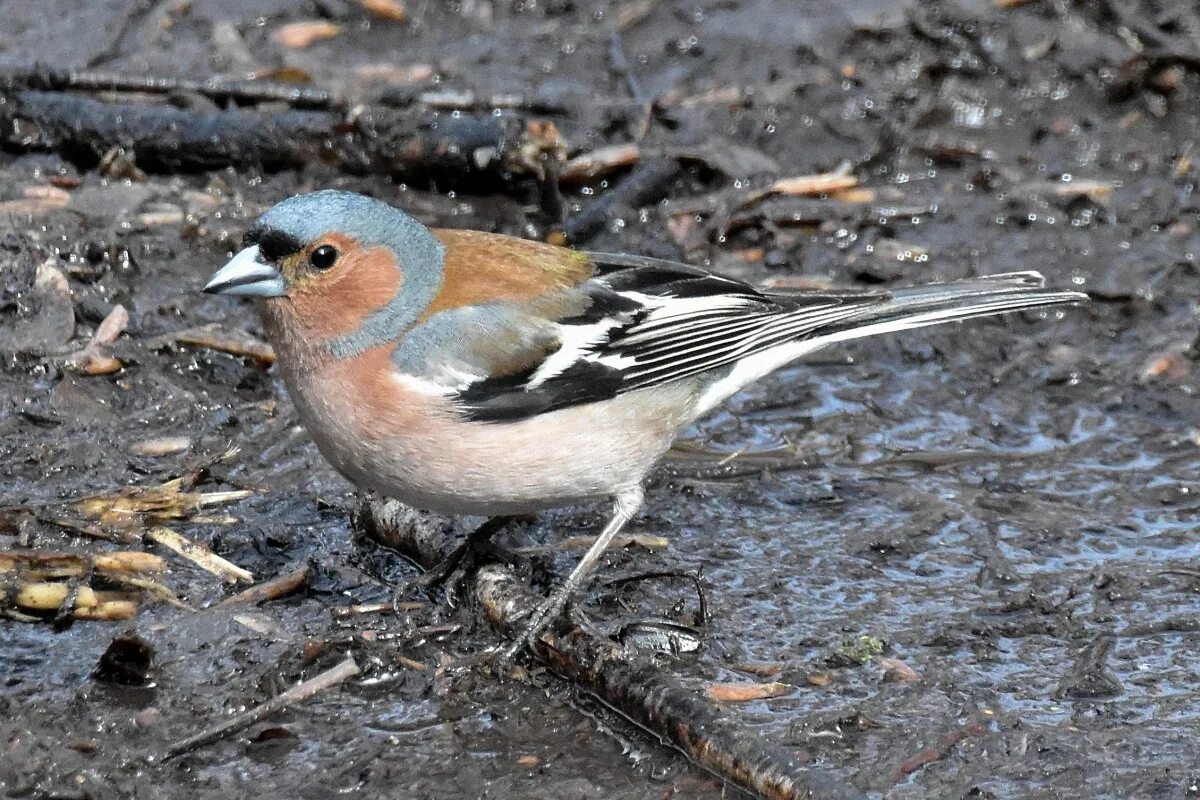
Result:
<point x="624" y="507"/>
<point x="463" y="555"/>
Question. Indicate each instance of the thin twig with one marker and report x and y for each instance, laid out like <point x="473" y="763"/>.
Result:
<point x="199" y="555"/>
<point x="297" y="694"/>
<point x="279" y="586"/>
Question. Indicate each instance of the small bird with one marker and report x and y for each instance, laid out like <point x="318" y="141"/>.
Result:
<point x="475" y="373"/>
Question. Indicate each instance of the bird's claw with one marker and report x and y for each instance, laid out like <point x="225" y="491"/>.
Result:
<point x="537" y="623"/>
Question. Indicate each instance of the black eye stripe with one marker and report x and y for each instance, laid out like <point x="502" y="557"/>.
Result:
<point x="323" y="257"/>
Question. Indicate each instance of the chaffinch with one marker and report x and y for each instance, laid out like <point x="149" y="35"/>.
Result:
<point x="475" y="373"/>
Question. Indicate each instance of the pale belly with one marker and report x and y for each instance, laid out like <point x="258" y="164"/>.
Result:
<point x="428" y="459"/>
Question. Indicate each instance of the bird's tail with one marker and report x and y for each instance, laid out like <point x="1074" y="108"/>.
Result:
<point x="936" y="303"/>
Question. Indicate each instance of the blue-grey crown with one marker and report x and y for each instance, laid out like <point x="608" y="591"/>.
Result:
<point x="307" y="217"/>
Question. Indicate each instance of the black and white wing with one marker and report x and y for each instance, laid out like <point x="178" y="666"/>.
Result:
<point x="648" y="322"/>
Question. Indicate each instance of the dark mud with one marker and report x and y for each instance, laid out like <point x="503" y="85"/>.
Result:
<point x="1011" y="506"/>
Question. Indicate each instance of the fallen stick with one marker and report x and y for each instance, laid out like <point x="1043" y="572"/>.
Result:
<point x="634" y="686"/>
<point x="648" y="183"/>
<point x="277" y="587"/>
<point x="217" y="89"/>
<point x="406" y="144"/>
<point x="297" y="694"/>
<point x="213" y="337"/>
<point x="255" y="91"/>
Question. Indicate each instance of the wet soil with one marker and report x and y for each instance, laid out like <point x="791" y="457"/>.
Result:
<point x="1009" y="507"/>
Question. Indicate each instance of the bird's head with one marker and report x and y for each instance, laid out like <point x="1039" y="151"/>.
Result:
<point x="346" y="270"/>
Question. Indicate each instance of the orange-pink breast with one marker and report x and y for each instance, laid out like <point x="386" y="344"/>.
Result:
<point x="384" y="433"/>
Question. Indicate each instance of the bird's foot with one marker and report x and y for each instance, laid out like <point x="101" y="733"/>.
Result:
<point x="476" y="549"/>
<point x="542" y="617"/>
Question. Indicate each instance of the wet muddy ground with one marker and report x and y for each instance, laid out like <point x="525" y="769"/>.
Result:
<point x="1007" y="509"/>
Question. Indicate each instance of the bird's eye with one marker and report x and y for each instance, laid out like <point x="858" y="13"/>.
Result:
<point x="323" y="257"/>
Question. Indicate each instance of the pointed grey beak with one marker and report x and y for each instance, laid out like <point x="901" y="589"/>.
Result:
<point x="247" y="274"/>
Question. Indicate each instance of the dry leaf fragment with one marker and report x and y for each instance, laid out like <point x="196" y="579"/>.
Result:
<point x="1172" y="365"/>
<point x="896" y="671"/>
<point x="298" y="35"/>
<point x="743" y="692"/>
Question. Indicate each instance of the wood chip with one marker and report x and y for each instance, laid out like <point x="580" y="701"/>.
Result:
<point x="744" y="692"/>
<point x="411" y="663"/>
<point x="199" y="555"/>
<point x="394" y="74"/>
<point x="392" y="10"/>
<point x="92" y="360"/>
<point x="813" y="185"/>
<point x="93" y="364"/>
<point x="1099" y="192"/>
<point x="37" y="200"/>
<point x="600" y="162"/>
<point x="161" y="446"/>
<point x="111" y="328"/>
<point x="298" y="35"/>
<point x="858" y="194"/>
<point x="153" y="219"/>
